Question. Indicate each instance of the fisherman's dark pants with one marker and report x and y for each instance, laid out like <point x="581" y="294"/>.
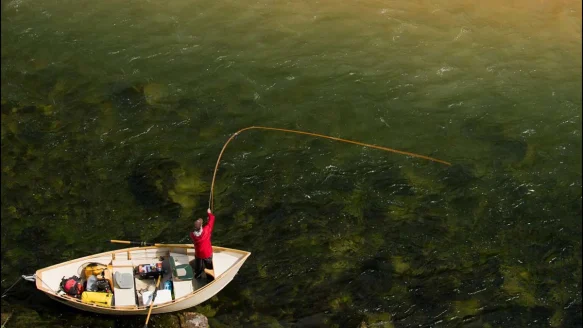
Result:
<point x="200" y="265"/>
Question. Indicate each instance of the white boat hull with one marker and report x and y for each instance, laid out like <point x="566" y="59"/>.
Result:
<point x="227" y="263"/>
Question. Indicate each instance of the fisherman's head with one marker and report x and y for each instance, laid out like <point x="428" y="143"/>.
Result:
<point x="198" y="224"/>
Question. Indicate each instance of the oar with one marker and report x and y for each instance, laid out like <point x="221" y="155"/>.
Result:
<point x="143" y="243"/>
<point x="152" y="302"/>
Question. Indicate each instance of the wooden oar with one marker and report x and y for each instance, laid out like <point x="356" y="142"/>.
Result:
<point x="152" y="302"/>
<point x="143" y="243"/>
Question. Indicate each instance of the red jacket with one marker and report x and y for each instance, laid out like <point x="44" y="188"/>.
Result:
<point x="202" y="244"/>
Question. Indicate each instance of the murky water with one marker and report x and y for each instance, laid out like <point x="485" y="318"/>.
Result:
<point x="113" y="115"/>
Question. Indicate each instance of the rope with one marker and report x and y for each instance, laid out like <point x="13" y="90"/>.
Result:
<point x="31" y="278"/>
<point x="9" y="288"/>
<point x="56" y="293"/>
<point x="313" y="135"/>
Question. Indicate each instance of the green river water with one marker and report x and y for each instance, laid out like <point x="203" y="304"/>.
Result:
<point x="114" y="113"/>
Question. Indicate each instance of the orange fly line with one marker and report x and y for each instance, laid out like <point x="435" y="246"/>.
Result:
<point x="313" y="135"/>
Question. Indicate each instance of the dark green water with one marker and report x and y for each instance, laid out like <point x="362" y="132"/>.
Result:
<point x="113" y="115"/>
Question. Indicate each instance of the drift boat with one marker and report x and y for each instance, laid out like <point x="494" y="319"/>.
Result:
<point x="131" y="287"/>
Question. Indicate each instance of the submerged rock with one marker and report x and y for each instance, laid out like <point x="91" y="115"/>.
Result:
<point x="519" y="285"/>
<point x="458" y="175"/>
<point x="316" y="320"/>
<point x="384" y="320"/>
<point x="130" y="97"/>
<point x="482" y="129"/>
<point x="510" y="150"/>
<point x="529" y="157"/>
<point x="193" y="320"/>
<point x="154" y="93"/>
<point x="167" y="320"/>
<point x="187" y="188"/>
<point x="466" y="308"/>
<point x="422" y="181"/>
<point x="399" y="265"/>
<point x="151" y="182"/>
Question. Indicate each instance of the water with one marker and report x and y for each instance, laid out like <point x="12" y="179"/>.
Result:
<point x="113" y="115"/>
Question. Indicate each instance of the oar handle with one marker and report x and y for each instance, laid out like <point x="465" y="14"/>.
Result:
<point x="127" y="242"/>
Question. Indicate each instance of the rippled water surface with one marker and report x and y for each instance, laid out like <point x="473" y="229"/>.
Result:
<point x="114" y="113"/>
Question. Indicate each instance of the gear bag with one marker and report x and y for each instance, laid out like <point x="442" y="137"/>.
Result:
<point x="72" y="286"/>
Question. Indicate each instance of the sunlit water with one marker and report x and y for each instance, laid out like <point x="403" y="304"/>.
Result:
<point x="114" y="113"/>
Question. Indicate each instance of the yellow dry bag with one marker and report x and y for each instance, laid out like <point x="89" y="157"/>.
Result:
<point x="103" y="299"/>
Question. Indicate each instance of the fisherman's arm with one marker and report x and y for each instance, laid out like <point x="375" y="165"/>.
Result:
<point x="211" y="223"/>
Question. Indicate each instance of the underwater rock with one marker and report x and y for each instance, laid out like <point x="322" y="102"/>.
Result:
<point x="151" y="181"/>
<point x="131" y="97"/>
<point x="517" y="282"/>
<point x="457" y="175"/>
<point x="206" y="310"/>
<point x="25" y="109"/>
<point x="365" y="286"/>
<point x="262" y="320"/>
<point x="59" y="89"/>
<point x="187" y="188"/>
<point x="377" y="263"/>
<point x="167" y="320"/>
<point x="529" y="157"/>
<point x="341" y="302"/>
<point x="465" y="308"/>
<point x="6" y="107"/>
<point x="27" y="123"/>
<point x="316" y="320"/>
<point x="515" y="316"/>
<point x="356" y="204"/>
<point x="11" y="107"/>
<point x="479" y="128"/>
<point x="384" y="320"/>
<point x="33" y="130"/>
<point x="193" y="320"/>
<point x="399" y="265"/>
<point x="509" y="150"/>
<point x="343" y="246"/>
<point x="557" y="319"/>
<point x="154" y="93"/>
<point x="422" y="180"/>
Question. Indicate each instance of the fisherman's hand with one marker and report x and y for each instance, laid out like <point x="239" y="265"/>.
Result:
<point x="208" y="210"/>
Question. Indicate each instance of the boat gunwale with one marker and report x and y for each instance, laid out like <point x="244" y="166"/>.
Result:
<point x="68" y="298"/>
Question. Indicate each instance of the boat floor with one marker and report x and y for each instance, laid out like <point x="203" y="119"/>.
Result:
<point x="180" y="288"/>
<point x="139" y="295"/>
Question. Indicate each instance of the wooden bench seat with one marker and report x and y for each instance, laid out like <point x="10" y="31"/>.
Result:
<point x="123" y="297"/>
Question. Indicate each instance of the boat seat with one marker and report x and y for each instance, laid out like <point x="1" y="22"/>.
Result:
<point x="124" y="290"/>
<point x="123" y="280"/>
<point x="181" y="271"/>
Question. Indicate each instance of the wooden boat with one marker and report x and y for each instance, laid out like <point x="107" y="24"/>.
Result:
<point x="130" y="301"/>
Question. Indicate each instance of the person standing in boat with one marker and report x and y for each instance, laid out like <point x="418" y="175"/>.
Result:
<point x="203" y="249"/>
